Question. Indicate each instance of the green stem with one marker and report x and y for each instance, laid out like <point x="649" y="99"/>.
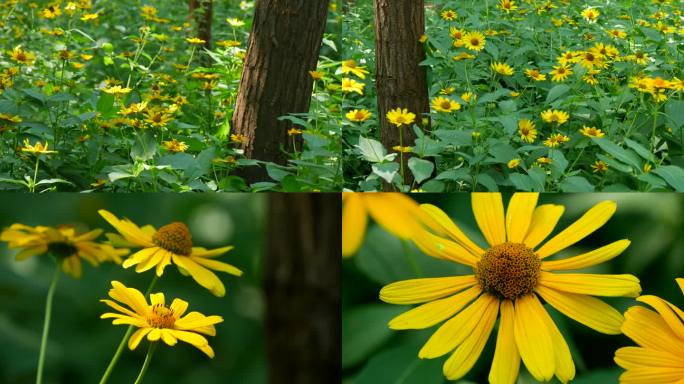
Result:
<point x="120" y="348"/>
<point x="35" y="175"/>
<point x="401" y="155"/>
<point x="46" y="324"/>
<point x="146" y="364"/>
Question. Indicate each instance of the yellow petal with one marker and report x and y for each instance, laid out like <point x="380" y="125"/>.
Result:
<point x="217" y="266"/>
<point x="442" y="248"/>
<point x="533" y="338"/>
<point x="519" y="215"/>
<point x="157" y="299"/>
<point x="587" y="310"/>
<point x="649" y="330"/>
<point x="588" y="259"/>
<point x="592" y="284"/>
<point x="652" y="376"/>
<point x="680" y="282"/>
<point x="168" y="337"/>
<point x="179" y="307"/>
<point x="201" y="275"/>
<point x="544" y="220"/>
<point x="191" y="338"/>
<point x="128" y="229"/>
<point x="452" y="333"/>
<point x="489" y="214"/>
<point x="466" y="354"/>
<point x="197" y="320"/>
<point x="666" y="312"/>
<point x="395" y="212"/>
<point x="354" y="222"/>
<point x="565" y="367"/>
<point x="635" y="357"/>
<point x="506" y="363"/>
<point x="136" y="337"/>
<point x="140" y="256"/>
<point x="129" y="296"/>
<point x="165" y="261"/>
<point x="448" y="227"/>
<point x="152" y="261"/>
<point x="30" y="252"/>
<point x="592" y="220"/>
<point x="416" y="291"/>
<point x="154" y="335"/>
<point x="434" y="312"/>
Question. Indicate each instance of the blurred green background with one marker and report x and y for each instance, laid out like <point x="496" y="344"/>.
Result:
<point x="81" y="344"/>
<point x="372" y="353"/>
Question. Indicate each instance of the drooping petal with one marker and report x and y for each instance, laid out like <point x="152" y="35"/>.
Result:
<point x="88" y="236"/>
<point x="466" y="354"/>
<point x="592" y="220"/>
<point x="506" y="363"/>
<point x="588" y="259"/>
<point x="164" y="262"/>
<point x="519" y="215"/>
<point x="587" y="310"/>
<point x="434" y="312"/>
<point x="140" y="256"/>
<point x="442" y="248"/>
<point x="449" y="228"/>
<point x="395" y="212"/>
<point x="544" y="220"/>
<point x="592" y="284"/>
<point x="533" y="338"/>
<point x="210" y="253"/>
<point x="666" y="312"/>
<point x="636" y="357"/>
<point x="649" y="330"/>
<point x="128" y="229"/>
<point x="652" y="376"/>
<point x="416" y="291"/>
<point x="30" y="252"/>
<point x="201" y="275"/>
<point x="136" y="337"/>
<point x="489" y="214"/>
<point x="154" y="335"/>
<point x="565" y="367"/>
<point x="152" y="261"/>
<point x="193" y="339"/>
<point x="354" y="223"/>
<point x="168" y="337"/>
<point x="452" y="333"/>
<point x="197" y="320"/>
<point x="217" y="266"/>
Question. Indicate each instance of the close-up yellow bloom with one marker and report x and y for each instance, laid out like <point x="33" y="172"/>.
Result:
<point x="156" y="321"/>
<point x="527" y="130"/>
<point x="444" y="104"/>
<point x="502" y="68"/>
<point x="351" y="85"/>
<point x="591" y="132"/>
<point x="171" y="243"/>
<point x="350" y="66"/>
<point x="510" y="276"/>
<point x="560" y="73"/>
<point x="475" y="41"/>
<point x="401" y="117"/>
<point x="555" y="116"/>
<point x="36" y="149"/>
<point x="358" y="115"/>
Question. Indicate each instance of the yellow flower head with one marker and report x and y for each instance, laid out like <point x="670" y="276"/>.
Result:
<point x="399" y="148"/>
<point x="474" y="41"/>
<point x="195" y="40"/>
<point x="468" y="97"/>
<point x="175" y="146"/>
<point x="158" y="116"/>
<point x="117" y="90"/>
<point x="350" y="66"/>
<point x="238" y="138"/>
<point x="351" y="85"/>
<point x="599" y="166"/>
<point x="51" y="11"/>
<point x="449" y="15"/>
<point x="401" y="117"/>
<point x="560" y="73"/>
<point x="294" y="132"/>
<point x="555" y="116"/>
<point x="527" y="130"/>
<point x="443" y="104"/>
<point x="358" y="115"/>
<point x="555" y="140"/>
<point x="37" y="149"/>
<point x="90" y="16"/>
<point x="511" y="275"/>
<point x="157" y="321"/>
<point x="591" y="14"/>
<point x="237" y="23"/>
<point x="316" y="75"/>
<point x="21" y="56"/>
<point x="169" y="244"/>
<point x="502" y="68"/>
<point x="507" y="5"/>
<point x="447" y="91"/>
<point x="591" y="132"/>
<point x="513" y="163"/>
<point x="535" y="75"/>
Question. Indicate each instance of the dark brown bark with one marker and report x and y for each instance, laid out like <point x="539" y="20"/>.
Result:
<point x="283" y="47"/>
<point x="401" y="81"/>
<point x="202" y="11"/>
<point x="302" y="283"/>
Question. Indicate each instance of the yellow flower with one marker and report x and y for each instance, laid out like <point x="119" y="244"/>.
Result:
<point x="527" y="130"/>
<point x="507" y="5"/>
<point x="449" y="15"/>
<point x="591" y="132"/>
<point x="294" y="131"/>
<point x="510" y="276"/>
<point x="560" y="73"/>
<point x="555" y="140"/>
<point x="238" y="138"/>
<point x="133" y="108"/>
<point x="350" y="66"/>
<point x="474" y="41"/>
<point x="513" y="163"/>
<point x="10" y="118"/>
<point x="157" y="321"/>
<point x="89" y="16"/>
<point x="316" y="75"/>
<point x="443" y="104"/>
<point x="351" y="85"/>
<point x="555" y="116"/>
<point x="502" y="68"/>
<point x="591" y="14"/>
<point x="400" y="117"/>
<point x="36" y="149"/>
<point x="449" y="90"/>
<point x="195" y="40"/>
<point x="399" y="148"/>
<point x="175" y="146"/>
<point x="171" y="243"/>
<point x="544" y="161"/>
<point x="463" y="56"/>
<point x="358" y="115"/>
<point x="660" y="336"/>
<point x="647" y="167"/>
<point x="235" y="22"/>
<point x="535" y="75"/>
<point x="599" y="166"/>
<point x="468" y="97"/>
<point x="158" y="117"/>
<point x="589" y="60"/>
<point x="51" y="11"/>
<point x="117" y="90"/>
<point x="64" y="243"/>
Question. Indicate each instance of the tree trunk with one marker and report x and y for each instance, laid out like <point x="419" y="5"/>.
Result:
<point x="302" y="284"/>
<point x="283" y="47"/>
<point x="401" y="81"/>
<point x="202" y="11"/>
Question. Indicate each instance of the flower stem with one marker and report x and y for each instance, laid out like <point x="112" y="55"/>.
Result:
<point x="146" y="364"/>
<point x="120" y="348"/>
<point x="46" y="324"/>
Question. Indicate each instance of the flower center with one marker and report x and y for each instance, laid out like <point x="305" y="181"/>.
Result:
<point x="161" y="317"/>
<point x="62" y="249"/>
<point x="175" y="238"/>
<point x="475" y="42"/>
<point x="508" y="270"/>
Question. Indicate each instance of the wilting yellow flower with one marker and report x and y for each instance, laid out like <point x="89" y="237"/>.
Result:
<point x="400" y="117"/>
<point x="175" y="146"/>
<point x="157" y="321"/>
<point x="447" y="91"/>
<point x="350" y="66"/>
<point x="171" y="243"/>
<point x="449" y="15"/>
<point x="502" y="68"/>
<point x="443" y="104"/>
<point x="513" y="163"/>
<point x="358" y="115"/>
<point x="560" y="73"/>
<point x="535" y="75"/>
<point x="659" y="358"/>
<point x="195" y="40"/>
<point x="555" y="116"/>
<point x="599" y="166"/>
<point x="474" y="41"/>
<point x="37" y="149"/>
<point x="10" y="118"/>
<point x="591" y="14"/>
<point x="510" y="276"/>
<point x="507" y="5"/>
<point x="22" y="57"/>
<point x="351" y="85"/>
<point x="591" y="132"/>
<point x="64" y="243"/>
<point x="527" y="130"/>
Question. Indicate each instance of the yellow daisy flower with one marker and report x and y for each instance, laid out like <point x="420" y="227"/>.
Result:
<point x="37" y="149"/>
<point x="21" y="56"/>
<point x="474" y="41"/>
<point x="171" y="243"/>
<point x="591" y="132"/>
<point x="510" y="275"/>
<point x="591" y="14"/>
<point x="513" y="163"/>
<point x="560" y="73"/>
<point x="502" y="68"/>
<point x="157" y="321"/>
<point x="507" y="5"/>
<point x="446" y="105"/>
<point x="195" y="40"/>
<point x="535" y="75"/>
<point x="351" y="85"/>
<point x="175" y="146"/>
<point x="527" y="130"/>
<point x="599" y="166"/>
<point x="555" y="116"/>
<point x="555" y="140"/>
<point x="358" y="115"/>
<point x="400" y="117"/>
<point x="350" y="66"/>
<point x="448" y="15"/>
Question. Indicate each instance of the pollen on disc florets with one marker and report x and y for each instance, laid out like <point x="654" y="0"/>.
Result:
<point x="161" y="317"/>
<point x="174" y="237"/>
<point x="508" y="270"/>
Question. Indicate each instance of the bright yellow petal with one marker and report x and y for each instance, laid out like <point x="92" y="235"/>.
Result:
<point x="164" y="262"/>
<point x="565" y="367"/>
<point x="136" y="337"/>
<point x="544" y="220"/>
<point x="680" y="282"/>
<point x="179" y="307"/>
<point x="452" y="333"/>
<point x="217" y="266"/>
<point x="587" y="310"/>
<point x="519" y="215"/>
<point x="592" y="220"/>
<point x="154" y="335"/>
<point x="652" y="376"/>
<point x="128" y="229"/>
<point x="129" y="296"/>
<point x="197" y="320"/>
<point x="448" y="227"/>
<point x="506" y="363"/>
<point x="152" y="261"/>
<point x="588" y="259"/>
<point x="30" y="252"/>
<point x="416" y="291"/>
<point x="395" y="212"/>
<point x="210" y="253"/>
<point x="121" y="309"/>
<point x="140" y="256"/>
<point x="157" y="299"/>
<point x="489" y="214"/>
<point x="592" y="284"/>
<point x="193" y="339"/>
<point x="442" y="248"/>
<point x="666" y="312"/>
<point x="354" y="223"/>
<point x="201" y="275"/>
<point x="434" y="312"/>
<point x="533" y="338"/>
<point x="168" y="337"/>
<point x="466" y="354"/>
<point x="649" y="330"/>
<point x="635" y="357"/>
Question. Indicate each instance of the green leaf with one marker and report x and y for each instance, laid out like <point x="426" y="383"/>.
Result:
<point x="640" y="150"/>
<point x="401" y="365"/>
<point x="421" y="169"/>
<point x="538" y="177"/>
<point x="487" y="181"/>
<point x="364" y="329"/>
<point x="673" y="174"/>
<point x="556" y="92"/>
<point x="674" y="109"/>
<point x="521" y="182"/>
<point x="386" y="171"/>
<point x="624" y="155"/>
<point x="144" y="147"/>
<point x="576" y="184"/>
<point x="372" y="150"/>
<point x="276" y="173"/>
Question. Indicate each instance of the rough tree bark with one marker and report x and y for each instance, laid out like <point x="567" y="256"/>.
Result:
<point x="401" y="81"/>
<point x="203" y="13"/>
<point x="283" y="47"/>
<point x="302" y="283"/>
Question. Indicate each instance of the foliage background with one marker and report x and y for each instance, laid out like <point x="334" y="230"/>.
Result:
<point x="372" y="353"/>
<point x="81" y="344"/>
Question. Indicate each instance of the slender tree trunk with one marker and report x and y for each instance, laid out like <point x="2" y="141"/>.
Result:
<point x="302" y="283"/>
<point x="283" y="47"/>
<point x="202" y="11"/>
<point x="401" y="81"/>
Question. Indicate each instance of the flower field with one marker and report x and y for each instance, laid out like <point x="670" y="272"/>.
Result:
<point x="568" y="96"/>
